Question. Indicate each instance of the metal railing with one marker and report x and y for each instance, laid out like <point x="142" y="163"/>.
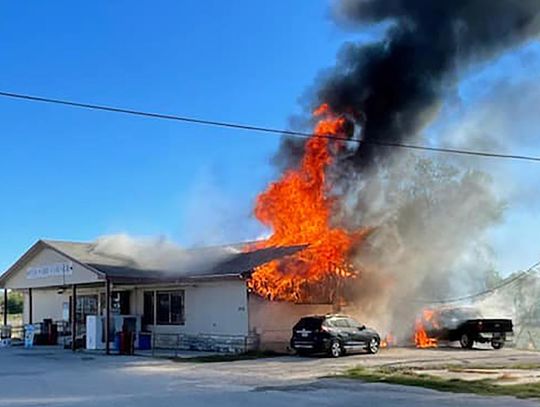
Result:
<point x="16" y="333"/>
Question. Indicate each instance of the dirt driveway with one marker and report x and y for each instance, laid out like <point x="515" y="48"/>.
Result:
<point x="285" y="369"/>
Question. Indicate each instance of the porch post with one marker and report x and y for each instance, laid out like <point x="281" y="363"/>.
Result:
<point x="107" y="316"/>
<point x="5" y="307"/>
<point x="30" y="307"/>
<point x="74" y="318"/>
<point x="154" y="330"/>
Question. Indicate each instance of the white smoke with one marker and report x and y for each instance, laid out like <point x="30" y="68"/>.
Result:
<point x="429" y="243"/>
<point x="159" y="253"/>
<point x="436" y="216"/>
<point x="213" y="215"/>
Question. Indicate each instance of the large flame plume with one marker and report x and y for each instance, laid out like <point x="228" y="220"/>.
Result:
<point x="298" y="210"/>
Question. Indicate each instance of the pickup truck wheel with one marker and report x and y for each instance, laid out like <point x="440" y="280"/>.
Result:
<point x="335" y="349"/>
<point x="497" y="343"/>
<point x="466" y="342"/>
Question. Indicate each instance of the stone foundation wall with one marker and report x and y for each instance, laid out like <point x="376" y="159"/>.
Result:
<point x="207" y="342"/>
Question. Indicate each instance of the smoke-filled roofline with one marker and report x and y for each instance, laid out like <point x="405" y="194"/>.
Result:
<point x="236" y="266"/>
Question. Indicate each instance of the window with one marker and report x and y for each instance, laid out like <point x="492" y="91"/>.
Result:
<point x="311" y="323"/>
<point x="163" y="312"/>
<point x="169" y="307"/>
<point x="86" y="305"/>
<point x="353" y="324"/>
<point x="119" y="303"/>
<point x="340" y="323"/>
<point x="177" y="308"/>
<point x="148" y="312"/>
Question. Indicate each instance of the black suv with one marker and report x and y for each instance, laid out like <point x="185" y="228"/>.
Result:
<point x="334" y="335"/>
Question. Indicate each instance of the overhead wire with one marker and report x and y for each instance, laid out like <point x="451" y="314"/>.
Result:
<point x="262" y="129"/>
<point x="504" y="283"/>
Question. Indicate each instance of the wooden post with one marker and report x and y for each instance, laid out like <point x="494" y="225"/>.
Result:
<point x="107" y="316"/>
<point x="74" y="318"/>
<point x="30" y="307"/>
<point x="154" y="331"/>
<point x="5" y="307"/>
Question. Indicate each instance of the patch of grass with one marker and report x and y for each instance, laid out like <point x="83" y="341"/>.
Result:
<point x="518" y="366"/>
<point x="227" y="357"/>
<point x="407" y="377"/>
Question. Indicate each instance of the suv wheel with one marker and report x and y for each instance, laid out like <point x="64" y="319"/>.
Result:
<point x="335" y="349"/>
<point x="497" y="343"/>
<point x="373" y="346"/>
<point x="466" y="342"/>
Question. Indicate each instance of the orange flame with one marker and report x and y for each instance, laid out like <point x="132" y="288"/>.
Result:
<point x="421" y="338"/>
<point x="298" y="208"/>
<point x="388" y="341"/>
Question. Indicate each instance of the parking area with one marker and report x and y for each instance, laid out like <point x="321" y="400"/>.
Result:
<point x="48" y="376"/>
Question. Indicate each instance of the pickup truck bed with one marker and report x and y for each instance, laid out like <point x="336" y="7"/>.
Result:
<point x="494" y="331"/>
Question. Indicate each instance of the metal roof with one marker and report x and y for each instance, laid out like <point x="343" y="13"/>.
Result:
<point x="230" y="263"/>
<point x="85" y="252"/>
<point x="235" y="265"/>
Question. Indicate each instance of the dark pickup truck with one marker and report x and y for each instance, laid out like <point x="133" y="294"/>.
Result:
<point x="467" y="326"/>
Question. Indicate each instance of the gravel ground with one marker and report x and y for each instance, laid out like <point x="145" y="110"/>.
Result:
<point x="54" y="377"/>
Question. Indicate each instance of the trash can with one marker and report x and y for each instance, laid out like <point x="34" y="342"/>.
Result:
<point x="145" y="340"/>
<point x="118" y="341"/>
<point x="126" y="340"/>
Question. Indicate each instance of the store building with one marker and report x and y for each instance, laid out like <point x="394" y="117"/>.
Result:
<point x="80" y="291"/>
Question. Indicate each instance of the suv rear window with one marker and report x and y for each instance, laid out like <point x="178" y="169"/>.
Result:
<point x="309" y="323"/>
<point x="340" y="323"/>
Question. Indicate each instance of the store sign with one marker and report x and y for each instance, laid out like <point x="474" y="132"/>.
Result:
<point x="51" y="270"/>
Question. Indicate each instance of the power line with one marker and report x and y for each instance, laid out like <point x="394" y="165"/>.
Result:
<point x="262" y="129"/>
<point x="503" y="284"/>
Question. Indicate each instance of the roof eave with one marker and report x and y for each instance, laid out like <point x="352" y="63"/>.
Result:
<point x="39" y="245"/>
<point x="176" y="280"/>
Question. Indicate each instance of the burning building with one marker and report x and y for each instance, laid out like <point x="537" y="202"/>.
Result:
<point x="298" y="208"/>
<point x="384" y="227"/>
<point x="201" y="303"/>
<point x="353" y="220"/>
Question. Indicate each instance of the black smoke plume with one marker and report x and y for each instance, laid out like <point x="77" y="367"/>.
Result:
<point x="430" y="218"/>
<point x="398" y="83"/>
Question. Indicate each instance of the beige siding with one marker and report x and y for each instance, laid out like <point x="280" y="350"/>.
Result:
<point x="46" y="304"/>
<point x="218" y="308"/>
<point x="272" y="321"/>
<point x="47" y="257"/>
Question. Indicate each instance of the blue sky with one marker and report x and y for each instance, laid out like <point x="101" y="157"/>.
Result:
<point x="73" y="174"/>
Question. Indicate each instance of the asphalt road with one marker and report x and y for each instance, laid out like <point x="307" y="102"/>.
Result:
<point x="53" y="377"/>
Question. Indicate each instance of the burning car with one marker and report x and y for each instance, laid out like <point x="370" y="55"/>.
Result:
<point x="334" y="335"/>
<point x="462" y="324"/>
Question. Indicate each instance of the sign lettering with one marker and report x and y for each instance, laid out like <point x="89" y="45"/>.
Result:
<point x="51" y="270"/>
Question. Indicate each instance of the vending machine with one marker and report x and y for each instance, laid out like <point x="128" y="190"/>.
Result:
<point x="95" y="329"/>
